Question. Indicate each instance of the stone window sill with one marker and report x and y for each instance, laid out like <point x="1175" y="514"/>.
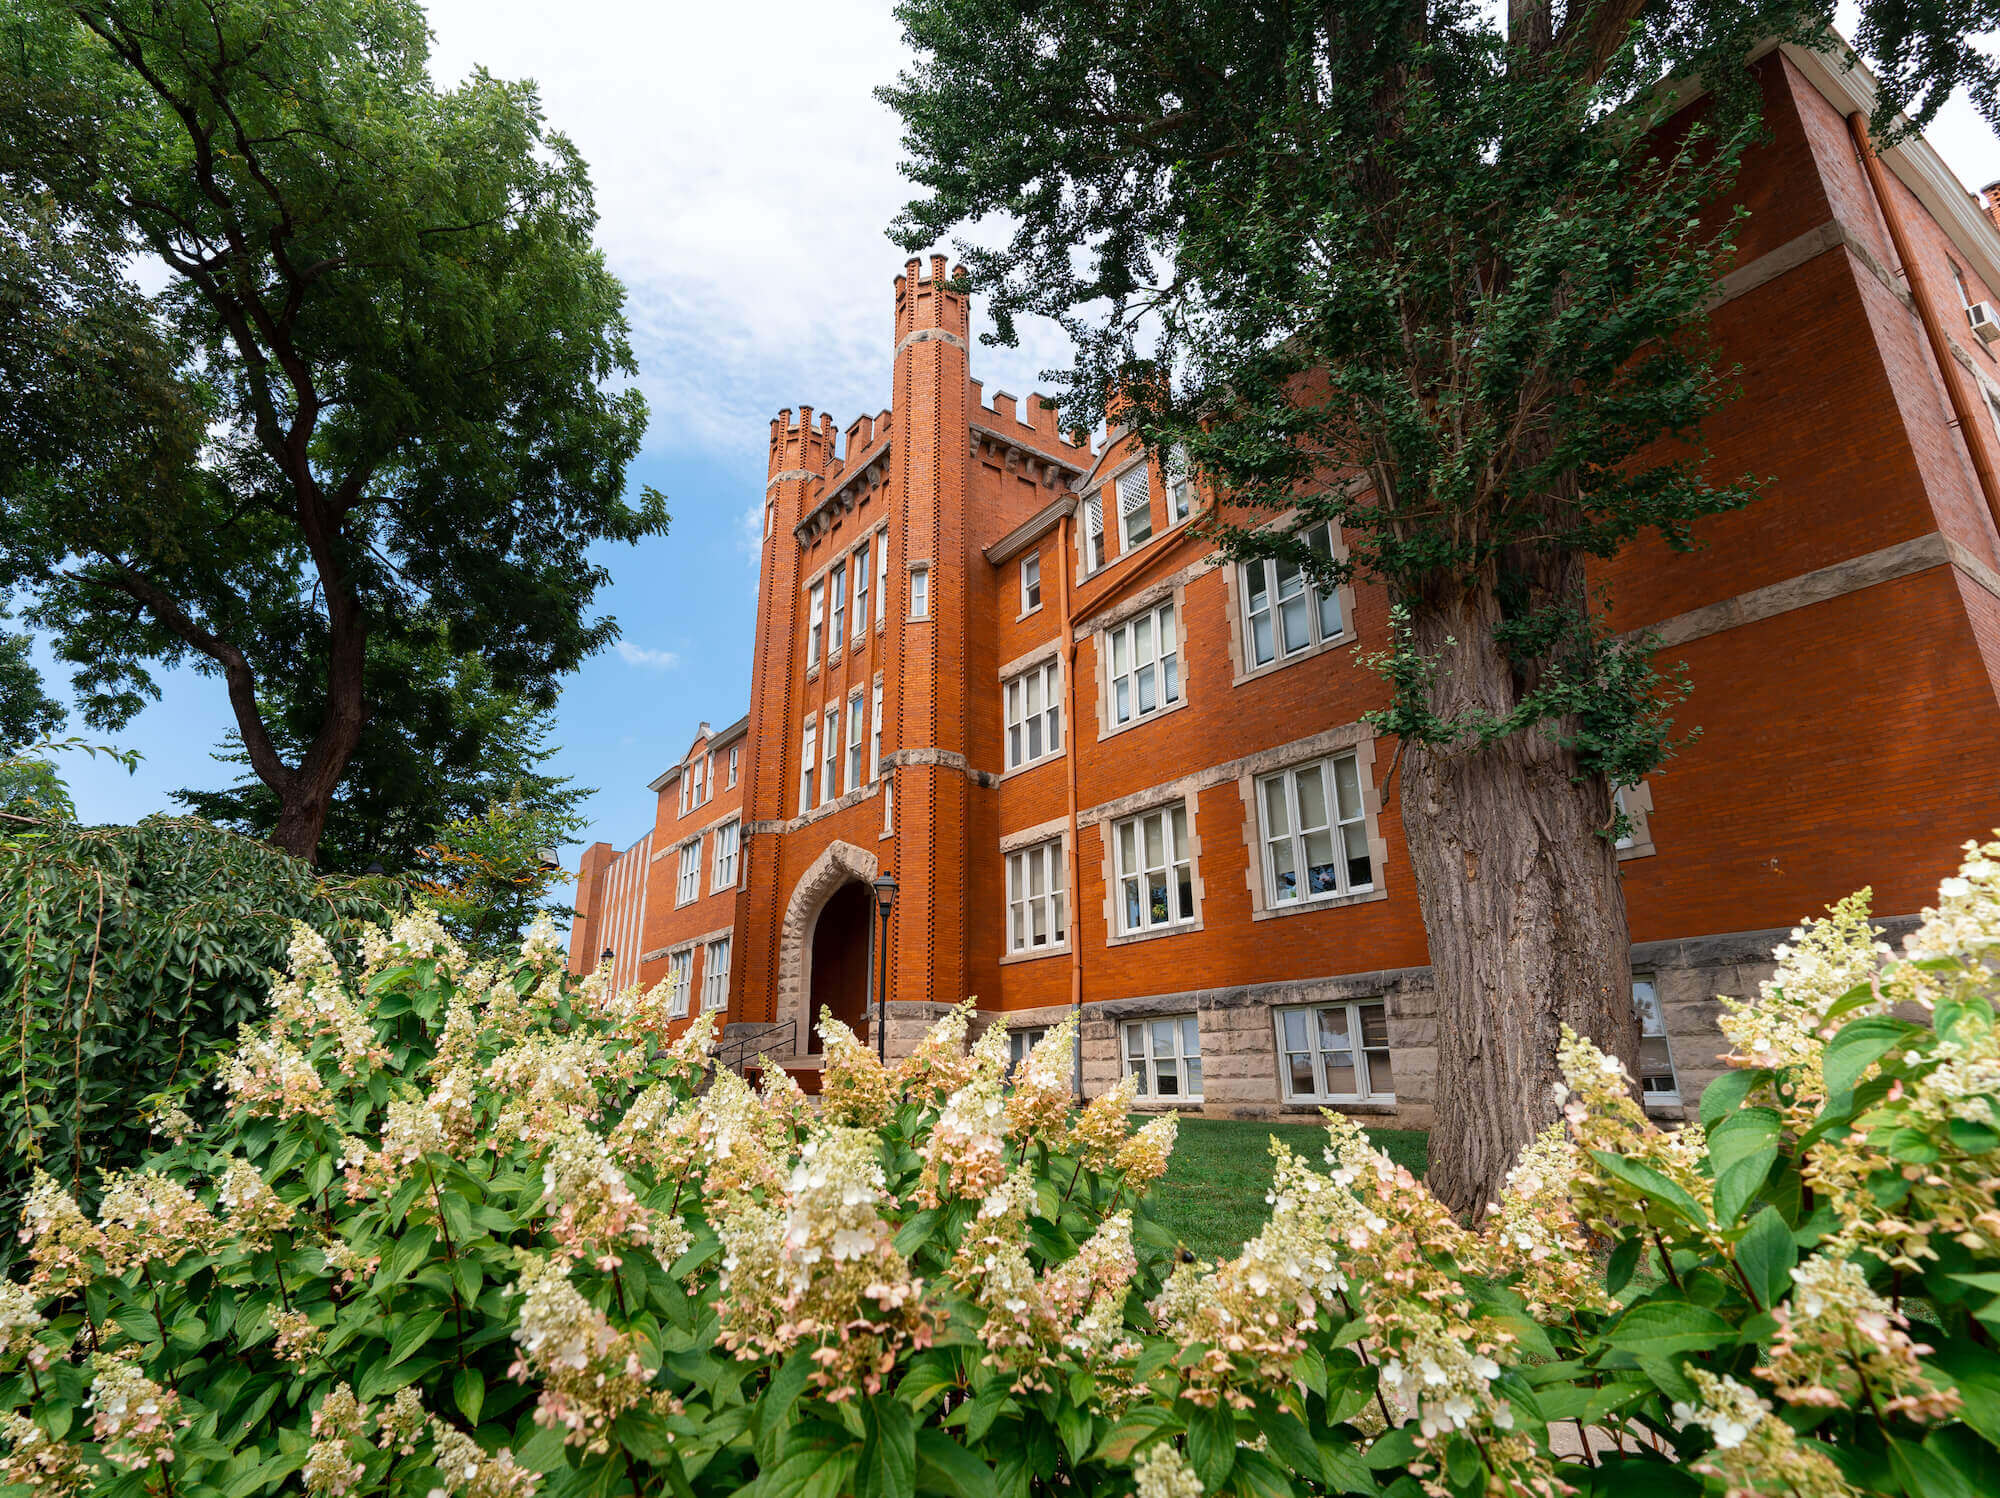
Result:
<point x="1152" y="717"/>
<point x="1332" y="902"/>
<point x="1053" y="757"/>
<point x="1034" y="954"/>
<point x="1313" y="652"/>
<point x="1133" y="938"/>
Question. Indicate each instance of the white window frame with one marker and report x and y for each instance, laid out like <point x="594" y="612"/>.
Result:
<point x="1031" y="582"/>
<point x="1135" y="870"/>
<point x="687" y="887"/>
<point x="734" y="751"/>
<point x="1022" y="728"/>
<point x="862" y="561"/>
<point x="1122" y="666"/>
<point x="1361" y="1055"/>
<point x="687" y="789"/>
<point x="808" y="765"/>
<point x="680" y="968"/>
<point x="715" y="975"/>
<point x="881" y="578"/>
<point x="816" y="622"/>
<point x="829" y="756"/>
<point x="728" y="837"/>
<point x="1140" y="1054"/>
<point x="1653" y="1026"/>
<point x="836" y="592"/>
<point x="1292" y="840"/>
<point x="1268" y="574"/>
<point x="1180" y="486"/>
<point x="852" y="769"/>
<point x="875" y="736"/>
<point x="1135" y="501"/>
<point x="1037" y="892"/>
<point x="1020" y="1042"/>
<point x="1094" y="551"/>
<point x="920" y="590"/>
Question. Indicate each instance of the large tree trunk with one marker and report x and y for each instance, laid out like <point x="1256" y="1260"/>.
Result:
<point x="1522" y="905"/>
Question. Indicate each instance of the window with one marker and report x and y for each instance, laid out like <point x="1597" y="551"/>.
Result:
<point x="808" y="765"/>
<point x="1315" y="832"/>
<point x="1165" y="1055"/>
<point x="1034" y="714"/>
<point x="1035" y="914"/>
<point x="1283" y="611"/>
<point x="1145" y="670"/>
<point x="875" y="736"/>
<point x="1031" y="582"/>
<point x="881" y="578"/>
<point x="1657" y="1081"/>
<point x="853" y="780"/>
<point x="715" y="976"/>
<point x="1093" y="532"/>
<point x="770" y="518"/>
<point x="831" y="767"/>
<point x="836" y="589"/>
<point x="680" y="972"/>
<point x="1135" y="505"/>
<point x="687" y="787"/>
<point x="1336" y="1053"/>
<point x="1180" y="484"/>
<point x="689" y="886"/>
<point x="732" y="763"/>
<point x="724" y="874"/>
<point x="1019" y="1043"/>
<point x="816" y="613"/>
<point x="1155" y="878"/>
<point x="920" y="592"/>
<point x="861" y="591"/>
<point x="707" y="778"/>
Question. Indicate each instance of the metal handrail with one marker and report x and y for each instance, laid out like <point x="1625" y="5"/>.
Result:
<point x="738" y="1052"/>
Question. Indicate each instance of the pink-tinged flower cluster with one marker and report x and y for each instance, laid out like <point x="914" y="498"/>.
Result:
<point x="1044" y="1086"/>
<point x="1532" y="1232"/>
<point x="411" y="1130"/>
<point x="311" y="1002"/>
<point x="297" y="1340"/>
<point x="1756" y="1454"/>
<point x="1597" y="1103"/>
<point x="819" y="1266"/>
<point x="269" y="1077"/>
<point x="545" y="1082"/>
<point x="939" y="1065"/>
<point x="1100" y="1130"/>
<point x="1839" y="1342"/>
<point x="467" y="1471"/>
<point x="61" y="1241"/>
<point x="1160" y="1471"/>
<point x="148" y="1218"/>
<point x="46" y="1468"/>
<point x="20" y="1325"/>
<point x="965" y="1155"/>
<point x="590" y="1373"/>
<point x="132" y="1418"/>
<point x="339" y="1425"/>
<point x="855" y="1089"/>
<point x="251" y="1208"/>
<point x="1143" y="1156"/>
<point x="594" y="1212"/>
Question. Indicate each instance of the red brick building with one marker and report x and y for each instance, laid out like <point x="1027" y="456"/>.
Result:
<point x="1108" y="769"/>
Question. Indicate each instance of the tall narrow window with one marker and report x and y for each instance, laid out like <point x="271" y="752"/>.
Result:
<point x="1155" y="874"/>
<point x="723" y="876"/>
<point x="836" y="588"/>
<point x="881" y="577"/>
<point x="1165" y="1055"/>
<point x="830" y="767"/>
<point x="875" y="736"/>
<point x="1031" y="582"/>
<point x="1180" y="484"/>
<point x="853" y="781"/>
<point x="1315" y="832"/>
<point x="715" y="976"/>
<point x="1657" y="1081"/>
<point x="680" y="972"/>
<point x="1036" y="916"/>
<point x="920" y="592"/>
<point x="861" y="576"/>
<point x="816" y="622"/>
<point x="689" y="885"/>
<point x="687" y="790"/>
<point x="1336" y="1053"/>
<point x="1284" y="611"/>
<point x="732" y="764"/>
<point x="1144" y="673"/>
<point x="1034" y="714"/>
<point x="1093" y="532"/>
<point x="808" y="767"/>
<point x="1135" y="505"/>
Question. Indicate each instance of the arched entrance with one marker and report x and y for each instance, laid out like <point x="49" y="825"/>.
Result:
<point x="840" y="960"/>
<point x="842" y="865"/>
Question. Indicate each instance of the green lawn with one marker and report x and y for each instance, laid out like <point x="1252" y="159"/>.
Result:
<point x="1213" y="1195"/>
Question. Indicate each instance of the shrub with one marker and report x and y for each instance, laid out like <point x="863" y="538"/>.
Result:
<point x="481" y="1229"/>
<point x="128" y="956"/>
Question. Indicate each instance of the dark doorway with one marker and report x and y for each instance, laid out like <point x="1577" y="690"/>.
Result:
<point x="840" y="960"/>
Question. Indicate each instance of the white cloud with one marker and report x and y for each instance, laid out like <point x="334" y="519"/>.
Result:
<point x="651" y="660"/>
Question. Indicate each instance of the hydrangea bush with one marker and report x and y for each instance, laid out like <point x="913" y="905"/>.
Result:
<point x="487" y="1229"/>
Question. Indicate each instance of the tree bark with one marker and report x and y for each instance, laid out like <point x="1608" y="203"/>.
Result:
<point x="1522" y="905"/>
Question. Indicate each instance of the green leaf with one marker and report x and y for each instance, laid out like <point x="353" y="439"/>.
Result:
<point x="1258" y="1476"/>
<point x="1662" y="1328"/>
<point x="645" y="1435"/>
<point x="944" y="1466"/>
<point x="912" y="1234"/>
<point x="1859" y="1046"/>
<point x="774" y="1410"/>
<point x="1745" y="1133"/>
<point x="1343" y="1468"/>
<point x="414" y="1333"/>
<point x="468" y="1392"/>
<point x="1726" y="1093"/>
<point x="1624" y="1260"/>
<point x="1290" y="1442"/>
<point x="1766" y="1254"/>
<point x="1925" y="1474"/>
<point x="1394" y="1448"/>
<point x="1140" y="1425"/>
<point x="1212" y="1444"/>
<point x="888" y="1465"/>
<point x="409" y="1251"/>
<point x="1737" y="1186"/>
<point x="1655" y="1185"/>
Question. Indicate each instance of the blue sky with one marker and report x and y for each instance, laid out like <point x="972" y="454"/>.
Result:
<point x="744" y="176"/>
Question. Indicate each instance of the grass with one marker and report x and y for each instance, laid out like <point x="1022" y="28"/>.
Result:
<point x="1212" y="1198"/>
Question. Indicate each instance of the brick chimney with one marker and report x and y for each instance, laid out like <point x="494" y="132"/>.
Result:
<point x="1989" y="199"/>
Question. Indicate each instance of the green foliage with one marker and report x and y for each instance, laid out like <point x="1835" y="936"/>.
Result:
<point x="128" y="957"/>
<point x="489" y="875"/>
<point x="376" y="399"/>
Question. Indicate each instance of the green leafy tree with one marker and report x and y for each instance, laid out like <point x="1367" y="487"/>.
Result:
<point x="27" y="712"/>
<point x="1440" y="279"/>
<point x="443" y="743"/>
<point x="378" y="395"/>
<point x="491" y="874"/>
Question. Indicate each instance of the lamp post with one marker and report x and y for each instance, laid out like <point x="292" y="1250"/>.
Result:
<point x="606" y="957"/>
<point x="885" y="901"/>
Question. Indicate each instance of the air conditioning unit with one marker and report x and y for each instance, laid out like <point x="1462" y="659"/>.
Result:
<point x="1985" y="321"/>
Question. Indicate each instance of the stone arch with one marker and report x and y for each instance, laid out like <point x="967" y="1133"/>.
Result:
<point x="841" y="863"/>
